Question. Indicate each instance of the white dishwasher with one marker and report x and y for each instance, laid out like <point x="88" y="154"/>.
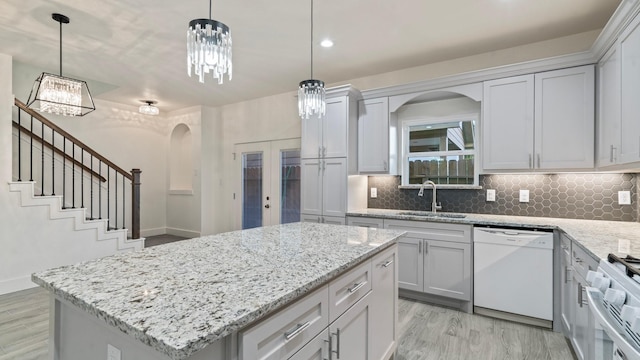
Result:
<point x="513" y="275"/>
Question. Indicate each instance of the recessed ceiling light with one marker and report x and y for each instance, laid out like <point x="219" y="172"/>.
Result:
<point x="326" y="43"/>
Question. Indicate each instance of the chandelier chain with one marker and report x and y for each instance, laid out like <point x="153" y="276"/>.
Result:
<point x="311" y="42"/>
<point x="60" y="48"/>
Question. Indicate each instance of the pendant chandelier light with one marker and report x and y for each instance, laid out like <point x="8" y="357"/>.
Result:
<point x="311" y="93"/>
<point x="149" y="108"/>
<point x="209" y="48"/>
<point x="60" y="95"/>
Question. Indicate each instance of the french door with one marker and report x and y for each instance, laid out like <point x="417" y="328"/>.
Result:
<point x="268" y="190"/>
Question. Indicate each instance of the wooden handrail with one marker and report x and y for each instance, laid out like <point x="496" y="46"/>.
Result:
<point x="58" y="151"/>
<point x="73" y="139"/>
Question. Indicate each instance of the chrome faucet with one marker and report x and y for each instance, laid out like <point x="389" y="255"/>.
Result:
<point x="434" y="204"/>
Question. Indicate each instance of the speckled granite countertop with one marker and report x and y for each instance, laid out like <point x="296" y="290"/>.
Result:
<point x="597" y="237"/>
<point x="180" y="297"/>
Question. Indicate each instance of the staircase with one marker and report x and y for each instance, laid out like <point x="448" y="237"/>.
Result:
<point x="67" y="202"/>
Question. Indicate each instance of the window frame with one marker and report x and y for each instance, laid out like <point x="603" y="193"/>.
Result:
<point x="405" y="154"/>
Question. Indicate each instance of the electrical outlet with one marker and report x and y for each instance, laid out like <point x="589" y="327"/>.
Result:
<point x="374" y="193"/>
<point x="524" y="196"/>
<point x="491" y="195"/>
<point x="113" y="353"/>
<point x="624" y="198"/>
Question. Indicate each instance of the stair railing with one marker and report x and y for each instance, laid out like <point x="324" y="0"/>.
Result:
<point x="77" y="162"/>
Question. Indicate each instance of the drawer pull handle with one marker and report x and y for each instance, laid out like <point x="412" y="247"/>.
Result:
<point x="387" y="264"/>
<point x="299" y="328"/>
<point x="356" y="287"/>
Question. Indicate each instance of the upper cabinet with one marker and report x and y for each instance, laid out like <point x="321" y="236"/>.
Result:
<point x="373" y="135"/>
<point x="608" y="143"/>
<point x="540" y="122"/>
<point x="630" y="87"/>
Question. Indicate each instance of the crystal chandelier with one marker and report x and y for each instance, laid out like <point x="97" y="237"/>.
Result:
<point x="311" y="93"/>
<point x="209" y="48"/>
<point x="60" y="95"/>
<point x="148" y="108"/>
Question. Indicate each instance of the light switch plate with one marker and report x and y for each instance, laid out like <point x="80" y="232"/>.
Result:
<point x="491" y="195"/>
<point x="524" y="196"/>
<point x="113" y="353"/>
<point x="624" y="197"/>
<point x="374" y="193"/>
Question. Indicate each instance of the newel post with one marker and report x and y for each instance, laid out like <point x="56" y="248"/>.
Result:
<point x="135" y="203"/>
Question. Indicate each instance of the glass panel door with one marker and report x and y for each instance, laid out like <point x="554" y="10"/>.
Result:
<point x="252" y="171"/>
<point x="289" y="186"/>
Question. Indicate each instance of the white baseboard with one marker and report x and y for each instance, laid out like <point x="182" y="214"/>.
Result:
<point x="153" y="232"/>
<point x="17" y="284"/>
<point x="182" y="232"/>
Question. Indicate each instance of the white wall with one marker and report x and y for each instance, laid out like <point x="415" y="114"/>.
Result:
<point x="212" y="175"/>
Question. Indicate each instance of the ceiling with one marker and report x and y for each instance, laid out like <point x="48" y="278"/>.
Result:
<point x="136" y="48"/>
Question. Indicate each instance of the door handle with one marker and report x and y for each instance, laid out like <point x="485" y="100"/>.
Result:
<point x="611" y="154"/>
<point x="385" y="165"/>
<point x="538" y="160"/>
<point x="420" y="247"/>
<point x="337" y="333"/>
<point x="267" y="206"/>
<point x="530" y="161"/>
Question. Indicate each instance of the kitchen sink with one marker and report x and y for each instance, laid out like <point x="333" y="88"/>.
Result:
<point x="430" y="214"/>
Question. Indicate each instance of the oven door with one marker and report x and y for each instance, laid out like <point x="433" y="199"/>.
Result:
<point x="609" y="342"/>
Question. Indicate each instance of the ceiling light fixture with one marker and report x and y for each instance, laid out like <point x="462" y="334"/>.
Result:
<point x="149" y="108"/>
<point x="311" y="93"/>
<point x="209" y="48"/>
<point x="60" y="95"/>
<point x="326" y="43"/>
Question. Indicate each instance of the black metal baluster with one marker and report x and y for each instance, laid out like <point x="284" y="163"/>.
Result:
<point x="82" y="178"/>
<point x="100" y="191"/>
<point x="19" y="145"/>
<point x="53" y="162"/>
<point x="64" y="172"/>
<point x="91" y="184"/>
<point x="115" y="218"/>
<point x="73" y="175"/>
<point x="31" y="153"/>
<point x="123" y="203"/>
<point x="42" y="160"/>
<point x="108" y="200"/>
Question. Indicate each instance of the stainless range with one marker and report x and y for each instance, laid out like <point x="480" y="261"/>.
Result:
<point x="614" y="301"/>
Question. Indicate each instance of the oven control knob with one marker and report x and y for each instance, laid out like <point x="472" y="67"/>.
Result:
<point x="592" y="275"/>
<point x="615" y="297"/>
<point x="629" y="313"/>
<point x="601" y="283"/>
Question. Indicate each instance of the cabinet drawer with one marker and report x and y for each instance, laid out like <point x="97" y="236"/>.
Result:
<point x="582" y="262"/>
<point x="282" y="334"/>
<point x="365" y="222"/>
<point x="348" y="289"/>
<point x="433" y="231"/>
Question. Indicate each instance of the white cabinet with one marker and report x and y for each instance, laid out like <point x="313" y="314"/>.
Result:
<point x="566" y="287"/>
<point x="384" y="304"/>
<point x="579" y="331"/>
<point x="373" y="135"/>
<point x="608" y="143"/>
<point x="507" y="129"/>
<point x="564" y="118"/>
<point x="316" y="349"/>
<point x="539" y="122"/>
<point x="318" y="219"/>
<point x="324" y="187"/>
<point x="350" y="333"/>
<point x="345" y="291"/>
<point x="630" y="87"/>
<point x="365" y="222"/>
<point x="434" y="258"/>
<point x="327" y="137"/>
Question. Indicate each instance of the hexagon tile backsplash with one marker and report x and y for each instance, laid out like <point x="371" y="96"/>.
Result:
<point x="576" y="196"/>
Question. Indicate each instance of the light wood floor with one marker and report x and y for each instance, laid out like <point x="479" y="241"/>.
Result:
<point x="426" y="332"/>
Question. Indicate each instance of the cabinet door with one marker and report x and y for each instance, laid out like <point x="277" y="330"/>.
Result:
<point x="410" y="261"/>
<point x="507" y="129"/>
<point x="365" y="222"/>
<point x="311" y="190"/>
<point x="311" y="142"/>
<point x="580" y="331"/>
<point x="564" y="119"/>
<point x="566" y="288"/>
<point x="334" y="187"/>
<point x="384" y="300"/>
<point x="316" y="349"/>
<point x="608" y="108"/>
<point x="373" y="135"/>
<point x="335" y="128"/>
<point x="311" y="218"/>
<point x="447" y="269"/>
<point x="334" y="220"/>
<point x="630" y="85"/>
<point x="350" y="332"/>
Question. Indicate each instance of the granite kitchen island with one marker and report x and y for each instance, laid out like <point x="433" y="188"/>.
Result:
<point x="214" y="297"/>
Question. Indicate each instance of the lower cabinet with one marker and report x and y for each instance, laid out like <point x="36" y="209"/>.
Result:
<point x="353" y="317"/>
<point x="365" y="222"/>
<point x="334" y="220"/>
<point x="580" y="328"/>
<point x="434" y="258"/>
<point x="566" y="287"/>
